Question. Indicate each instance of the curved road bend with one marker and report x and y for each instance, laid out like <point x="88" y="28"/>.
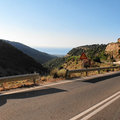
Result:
<point x="64" y="101"/>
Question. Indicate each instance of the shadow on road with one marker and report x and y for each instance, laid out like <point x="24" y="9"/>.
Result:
<point x="29" y="94"/>
<point x="3" y="100"/>
<point x="99" y="79"/>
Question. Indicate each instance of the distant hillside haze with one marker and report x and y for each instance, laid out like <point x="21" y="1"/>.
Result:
<point x="40" y="57"/>
<point x="57" y="51"/>
<point x="14" y="61"/>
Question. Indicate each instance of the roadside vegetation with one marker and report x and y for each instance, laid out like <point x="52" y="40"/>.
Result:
<point x="56" y="68"/>
<point x="96" y="55"/>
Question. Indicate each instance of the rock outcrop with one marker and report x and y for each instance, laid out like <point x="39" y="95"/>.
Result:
<point x="113" y="49"/>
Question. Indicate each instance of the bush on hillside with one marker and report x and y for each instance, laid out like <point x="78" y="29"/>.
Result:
<point x="56" y="73"/>
<point x="97" y="59"/>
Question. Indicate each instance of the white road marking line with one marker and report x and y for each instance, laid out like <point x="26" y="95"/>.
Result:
<point x="95" y="106"/>
<point x="100" y="108"/>
<point x="34" y="88"/>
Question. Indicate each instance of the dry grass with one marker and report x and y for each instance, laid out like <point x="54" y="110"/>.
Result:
<point x="61" y="73"/>
<point x="49" y="79"/>
<point x="55" y="75"/>
<point x="18" y="84"/>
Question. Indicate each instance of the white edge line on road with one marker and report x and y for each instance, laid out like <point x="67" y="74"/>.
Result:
<point x="100" y="108"/>
<point x="95" y="106"/>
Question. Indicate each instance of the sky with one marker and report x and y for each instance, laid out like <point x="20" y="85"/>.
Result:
<point x="60" y="23"/>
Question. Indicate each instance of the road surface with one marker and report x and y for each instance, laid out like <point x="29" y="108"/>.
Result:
<point x="94" y="99"/>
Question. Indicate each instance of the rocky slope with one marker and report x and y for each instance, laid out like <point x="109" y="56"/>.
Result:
<point x="113" y="50"/>
<point x="100" y="55"/>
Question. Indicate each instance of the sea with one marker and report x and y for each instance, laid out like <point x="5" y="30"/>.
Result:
<point x="54" y="51"/>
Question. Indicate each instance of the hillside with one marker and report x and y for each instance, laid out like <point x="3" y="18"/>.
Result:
<point x="40" y="57"/>
<point x="91" y="51"/>
<point x="94" y="52"/>
<point x="113" y="50"/>
<point x="55" y="63"/>
<point x="13" y="61"/>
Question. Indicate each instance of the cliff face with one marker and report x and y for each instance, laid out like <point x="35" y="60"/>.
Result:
<point x="113" y="49"/>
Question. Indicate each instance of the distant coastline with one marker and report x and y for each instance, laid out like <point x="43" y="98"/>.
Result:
<point x="54" y="51"/>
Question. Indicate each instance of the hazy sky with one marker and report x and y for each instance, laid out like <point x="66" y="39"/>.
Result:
<point x="60" y="23"/>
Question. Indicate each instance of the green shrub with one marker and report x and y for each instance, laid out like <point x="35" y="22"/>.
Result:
<point x="97" y="59"/>
<point x="61" y="73"/>
<point x="56" y="73"/>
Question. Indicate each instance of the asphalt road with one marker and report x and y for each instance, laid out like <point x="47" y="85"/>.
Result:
<point x="63" y="101"/>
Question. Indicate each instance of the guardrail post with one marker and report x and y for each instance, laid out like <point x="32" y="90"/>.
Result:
<point x="3" y="86"/>
<point x="98" y="71"/>
<point x="34" y="81"/>
<point x="86" y="73"/>
<point x="67" y="75"/>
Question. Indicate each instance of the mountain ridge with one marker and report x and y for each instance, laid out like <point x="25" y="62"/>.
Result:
<point x="15" y="62"/>
<point x="39" y="56"/>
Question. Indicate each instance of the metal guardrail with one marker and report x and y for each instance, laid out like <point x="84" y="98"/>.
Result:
<point x="68" y="72"/>
<point x="16" y="78"/>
